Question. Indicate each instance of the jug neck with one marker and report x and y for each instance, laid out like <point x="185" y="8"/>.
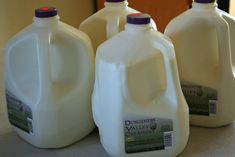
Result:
<point x="45" y="22"/>
<point x="113" y="5"/>
<point x="138" y="28"/>
<point x="204" y="6"/>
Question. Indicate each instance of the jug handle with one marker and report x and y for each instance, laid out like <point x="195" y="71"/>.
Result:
<point x="172" y="76"/>
<point x="44" y="66"/>
<point x="223" y="36"/>
<point x="112" y="26"/>
<point x="44" y="50"/>
<point x="90" y="57"/>
<point x="95" y="101"/>
<point x="231" y="21"/>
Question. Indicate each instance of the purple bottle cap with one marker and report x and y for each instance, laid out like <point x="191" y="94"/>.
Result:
<point x="115" y="1"/>
<point x="45" y="12"/>
<point x="138" y="19"/>
<point x="204" y="1"/>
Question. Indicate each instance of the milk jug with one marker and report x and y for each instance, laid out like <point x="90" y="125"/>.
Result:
<point x="137" y="101"/>
<point x="107" y="22"/>
<point x="203" y="51"/>
<point x="49" y="75"/>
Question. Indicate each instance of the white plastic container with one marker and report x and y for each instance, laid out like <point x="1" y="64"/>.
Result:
<point x="107" y="22"/>
<point x="137" y="101"/>
<point x="202" y="42"/>
<point x="49" y="75"/>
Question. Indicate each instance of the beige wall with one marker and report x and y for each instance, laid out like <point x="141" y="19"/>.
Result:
<point x="16" y="14"/>
<point x="232" y="7"/>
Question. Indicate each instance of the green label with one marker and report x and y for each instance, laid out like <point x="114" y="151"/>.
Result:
<point x="201" y="100"/>
<point x="147" y="134"/>
<point x="19" y="114"/>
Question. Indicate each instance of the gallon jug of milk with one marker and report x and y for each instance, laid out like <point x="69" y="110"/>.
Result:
<point x="107" y="22"/>
<point x="202" y="43"/>
<point x="49" y="75"/>
<point x="137" y="102"/>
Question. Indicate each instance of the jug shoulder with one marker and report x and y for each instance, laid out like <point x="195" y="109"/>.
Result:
<point x="98" y="15"/>
<point x="178" y="20"/>
<point x="116" y="47"/>
<point x="191" y="17"/>
<point x="160" y="37"/>
<point x="18" y="38"/>
<point x="131" y="10"/>
<point x="160" y="42"/>
<point x="104" y="14"/>
<point x="229" y="18"/>
<point x="75" y="33"/>
<point x="134" y="47"/>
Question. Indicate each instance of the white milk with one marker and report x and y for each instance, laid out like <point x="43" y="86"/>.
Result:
<point x="49" y="75"/>
<point x="107" y="22"/>
<point x="137" y="92"/>
<point x="202" y="43"/>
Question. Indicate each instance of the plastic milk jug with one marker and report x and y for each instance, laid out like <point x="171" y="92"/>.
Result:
<point x="203" y="51"/>
<point x="137" y="102"/>
<point x="49" y="75"/>
<point x="107" y="22"/>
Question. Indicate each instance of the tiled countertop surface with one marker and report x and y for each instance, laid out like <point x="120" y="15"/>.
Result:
<point x="203" y="142"/>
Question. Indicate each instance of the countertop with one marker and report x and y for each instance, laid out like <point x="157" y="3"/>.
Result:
<point x="203" y="142"/>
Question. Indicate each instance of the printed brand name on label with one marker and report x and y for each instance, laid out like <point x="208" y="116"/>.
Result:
<point x="201" y="100"/>
<point x="148" y="134"/>
<point x="19" y="114"/>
